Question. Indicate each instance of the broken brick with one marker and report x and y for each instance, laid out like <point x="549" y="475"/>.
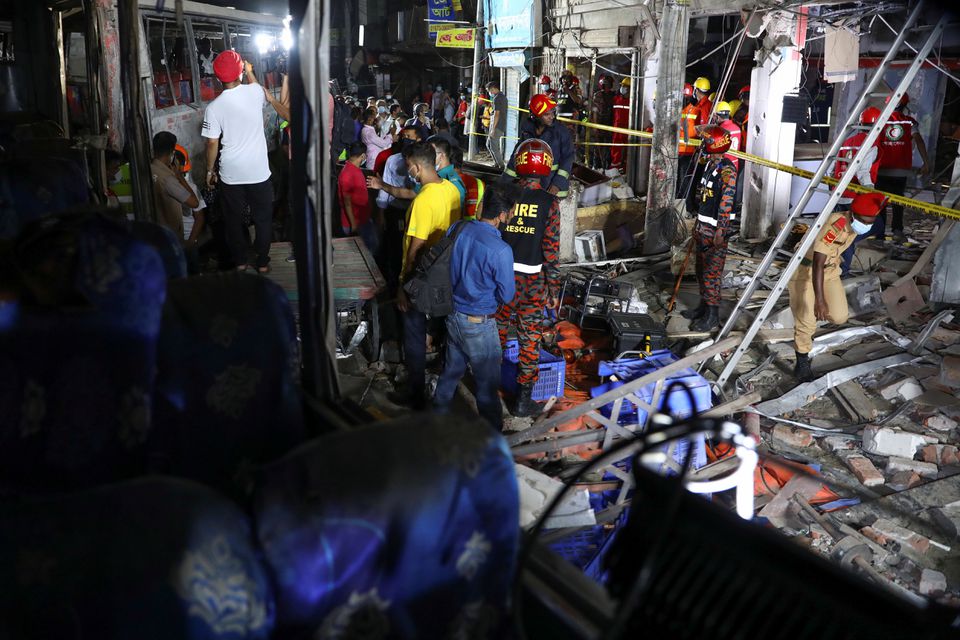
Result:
<point x="925" y="469"/>
<point x="932" y="583"/>
<point x="791" y="436"/>
<point x="884" y="441"/>
<point x="950" y="371"/>
<point x="903" y="480"/>
<point x="942" y="454"/>
<point x="866" y="473"/>
<point x="940" y="423"/>
<point x="873" y="534"/>
<point x="906" y="537"/>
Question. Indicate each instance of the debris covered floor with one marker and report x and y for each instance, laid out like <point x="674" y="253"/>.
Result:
<point x="878" y="428"/>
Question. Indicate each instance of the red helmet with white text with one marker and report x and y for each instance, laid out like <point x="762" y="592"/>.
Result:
<point x="533" y="157"/>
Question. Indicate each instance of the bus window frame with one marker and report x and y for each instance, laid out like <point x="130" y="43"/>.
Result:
<point x="145" y="17"/>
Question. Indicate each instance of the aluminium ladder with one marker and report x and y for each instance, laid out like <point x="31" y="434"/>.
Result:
<point x="811" y="235"/>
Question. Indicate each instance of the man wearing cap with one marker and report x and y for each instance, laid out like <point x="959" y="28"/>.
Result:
<point x="533" y="233"/>
<point x="542" y="124"/>
<point x="233" y="127"/>
<point x="621" y="118"/>
<point x="701" y="93"/>
<point x="816" y="292"/>
<point x="718" y="187"/>
<point x="866" y="174"/>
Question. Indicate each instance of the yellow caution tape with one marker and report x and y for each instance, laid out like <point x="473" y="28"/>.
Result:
<point x="919" y="205"/>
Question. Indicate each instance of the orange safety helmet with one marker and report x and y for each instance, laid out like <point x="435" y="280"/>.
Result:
<point x="540" y="104"/>
<point x="186" y="157"/>
<point x="715" y="140"/>
<point x="744" y="90"/>
<point x="687" y="90"/>
<point x="533" y="157"/>
<point x="870" y="115"/>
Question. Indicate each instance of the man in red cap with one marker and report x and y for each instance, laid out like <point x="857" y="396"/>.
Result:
<point x="816" y="292"/>
<point x="233" y="127"/>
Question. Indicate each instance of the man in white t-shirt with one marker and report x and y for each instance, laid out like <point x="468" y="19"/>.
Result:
<point x="233" y="126"/>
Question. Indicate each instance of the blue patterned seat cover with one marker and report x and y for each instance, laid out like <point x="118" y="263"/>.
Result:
<point x="406" y="529"/>
<point x="151" y="559"/>
<point x="78" y="356"/>
<point x="166" y="243"/>
<point x="226" y="397"/>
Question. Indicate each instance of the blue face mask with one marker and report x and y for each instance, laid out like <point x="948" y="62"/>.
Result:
<point x="860" y="228"/>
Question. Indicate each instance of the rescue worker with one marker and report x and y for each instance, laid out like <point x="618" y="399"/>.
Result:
<point x="736" y="133"/>
<point x="866" y="172"/>
<point x="472" y="184"/>
<point x="741" y="113"/>
<point x="896" y="164"/>
<point x="701" y="90"/>
<point x="718" y="187"/>
<point x="542" y="124"/>
<point x="601" y="111"/>
<point x="534" y="235"/>
<point x="688" y="132"/>
<point x="546" y="87"/>
<point x="621" y="118"/>
<point x="816" y="292"/>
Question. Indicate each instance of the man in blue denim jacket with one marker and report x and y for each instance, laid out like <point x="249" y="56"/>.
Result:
<point x="481" y="273"/>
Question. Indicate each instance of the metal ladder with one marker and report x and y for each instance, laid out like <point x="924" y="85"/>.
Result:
<point x="850" y="125"/>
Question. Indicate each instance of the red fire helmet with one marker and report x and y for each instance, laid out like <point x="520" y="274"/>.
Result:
<point x="715" y="140"/>
<point x="540" y="104"/>
<point x="870" y="115"/>
<point x="533" y="157"/>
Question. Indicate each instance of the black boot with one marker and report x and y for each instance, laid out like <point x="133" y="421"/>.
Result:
<point x="709" y="321"/>
<point x="803" y="371"/>
<point x="694" y="314"/>
<point x="526" y="407"/>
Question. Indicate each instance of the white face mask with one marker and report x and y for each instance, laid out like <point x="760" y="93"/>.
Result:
<point x="382" y="109"/>
<point x="624" y="91"/>
<point x="860" y="228"/>
<point x="389" y="97"/>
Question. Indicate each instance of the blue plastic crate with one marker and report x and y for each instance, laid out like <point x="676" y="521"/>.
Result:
<point x="677" y="402"/>
<point x="551" y="378"/>
<point x="586" y="548"/>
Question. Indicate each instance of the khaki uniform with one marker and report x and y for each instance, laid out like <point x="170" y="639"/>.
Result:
<point x="835" y="236"/>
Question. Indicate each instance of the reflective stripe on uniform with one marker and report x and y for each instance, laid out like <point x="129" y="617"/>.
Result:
<point x="712" y="221"/>
<point x="561" y="194"/>
<point x="510" y="172"/>
<point x="563" y="172"/>
<point x="527" y="268"/>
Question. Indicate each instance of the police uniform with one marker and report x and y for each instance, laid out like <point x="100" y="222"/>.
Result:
<point x="835" y="236"/>
<point x="718" y="187"/>
<point x="533" y="233"/>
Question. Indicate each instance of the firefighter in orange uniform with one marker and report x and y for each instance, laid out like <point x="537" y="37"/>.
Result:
<point x="688" y="132"/>
<point x="816" y="292"/>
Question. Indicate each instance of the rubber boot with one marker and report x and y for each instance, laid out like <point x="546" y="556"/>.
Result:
<point x="526" y="407"/>
<point x="803" y="372"/>
<point x="709" y="321"/>
<point x="694" y="314"/>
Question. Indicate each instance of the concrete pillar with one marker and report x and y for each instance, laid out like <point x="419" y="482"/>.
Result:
<point x="662" y="181"/>
<point x="568" y="223"/>
<point x="649" y="68"/>
<point x="766" y="192"/>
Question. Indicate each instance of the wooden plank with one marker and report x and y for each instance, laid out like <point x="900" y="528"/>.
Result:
<point x="355" y="273"/>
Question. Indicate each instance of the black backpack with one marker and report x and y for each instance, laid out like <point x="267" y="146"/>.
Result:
<point x="429" y="289"/>
<point x="344" y="129"/>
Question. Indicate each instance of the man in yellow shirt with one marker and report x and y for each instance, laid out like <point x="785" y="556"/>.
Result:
<point x="435" y="206"/>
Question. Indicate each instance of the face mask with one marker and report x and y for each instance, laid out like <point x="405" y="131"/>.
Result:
<point x="382" y="109"/>
<point x="623" y="91"/>
<point x="389" y="97"/>
<point x="860" y="228"/>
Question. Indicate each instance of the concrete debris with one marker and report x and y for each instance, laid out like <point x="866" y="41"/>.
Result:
<point x="950" y="371"/>
<point x="836" y="444"/>
<point x="905" y="389"/>
<point x="866" y="473"/>
<point x="932" y="583"/>
<point x="925" y="469"/>
<point x="903" y="480"/>
<point x="948" y="519"/>
<point x="939" y="454"/>
<point x="781" y="511"/>
<point x="537" y="490"/>
<point x="940" y="423"/>
<point x="889" y="442"/>
<point x="891" y="532"/>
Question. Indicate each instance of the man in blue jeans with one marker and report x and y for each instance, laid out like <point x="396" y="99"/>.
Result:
<point x="481" y="273"/>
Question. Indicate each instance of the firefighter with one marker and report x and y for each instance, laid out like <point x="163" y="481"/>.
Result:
<point x="621" y="118"/>
<point x="534" y="235"/>
<point x="701" y="91"/>
<point x="736" y="133"/>
<point x="896" y="164"/>
<point x="866" y="173"/>
<point x="546" y="87"/>
<point x="718" y="187"/>
<point x="542" y="124"/>
<point x="688" y="132"/>
<point x="816" y="292"/>
<point x="741" y="112"/>
<point x="601" y="112"/>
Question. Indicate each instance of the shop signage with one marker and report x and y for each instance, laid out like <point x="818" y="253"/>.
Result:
<point x="456" y="38"/>
<point x="512" y="24"/>
<point x="438" y="12"/>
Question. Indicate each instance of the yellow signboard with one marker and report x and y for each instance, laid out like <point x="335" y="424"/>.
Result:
<point x="455" y="38"/>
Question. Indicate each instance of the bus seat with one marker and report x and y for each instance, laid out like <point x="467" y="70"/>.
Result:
<point x="152" y="559"/>
<point x="77" y="355"/>
<point x="31" y="188"/>
<point x="167" y="245"/>
<point x="226" y="395"/>
<point x="409" y="527"/>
